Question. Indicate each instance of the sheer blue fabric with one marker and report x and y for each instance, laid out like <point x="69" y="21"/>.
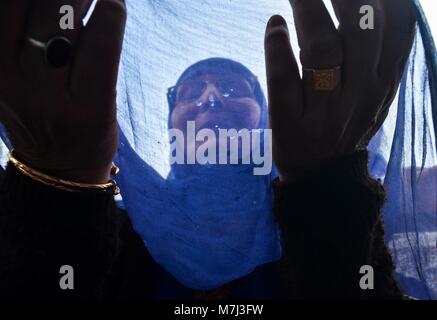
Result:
<point x="206" y="224"/>
<point x="212" y="224"/>
<point x="405" y="157"/>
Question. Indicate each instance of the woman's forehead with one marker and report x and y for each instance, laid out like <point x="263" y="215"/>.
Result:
<point x="214" y="76"/>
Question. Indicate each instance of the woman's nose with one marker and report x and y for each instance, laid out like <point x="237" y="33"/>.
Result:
<point x="212" y="97"/>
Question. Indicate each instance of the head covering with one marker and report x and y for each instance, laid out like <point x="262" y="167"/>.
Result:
<point x="223" y="66"/>
<point x="219" y="67"/>
<point x="208" y="224"/>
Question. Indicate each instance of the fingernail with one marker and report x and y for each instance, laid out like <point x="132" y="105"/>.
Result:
<point x="277" y="21"/>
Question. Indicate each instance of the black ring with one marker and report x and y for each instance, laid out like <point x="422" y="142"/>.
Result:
<point x="59" y="52"/>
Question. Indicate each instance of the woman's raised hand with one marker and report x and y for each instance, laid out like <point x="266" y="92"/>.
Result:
<point x="61" y="120"/>
<point x="350" y="78"/>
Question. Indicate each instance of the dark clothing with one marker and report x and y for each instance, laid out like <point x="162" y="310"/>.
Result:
<point x="330" y="222"/>
<point x="331" y="226"/>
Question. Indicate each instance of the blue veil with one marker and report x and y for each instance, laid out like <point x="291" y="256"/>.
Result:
<point x="206" y="224"/>
<point x="403" y="154"/>
<point x="206" y="234"/>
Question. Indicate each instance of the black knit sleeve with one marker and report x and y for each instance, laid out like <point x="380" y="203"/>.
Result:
<point x="43" y="229"/>
<point x="331" y="227"/>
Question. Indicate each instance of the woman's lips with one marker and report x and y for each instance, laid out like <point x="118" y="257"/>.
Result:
<point x="224" y="120"/>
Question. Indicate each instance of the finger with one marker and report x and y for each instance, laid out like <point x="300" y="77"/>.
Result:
<point x="95" y="69"/>
<point x="380" y="117"/>
<point x="45" y="17"/>
<point x="13" y="20"/>
<point x="366" y="121"/>
<point x="399" y="36"/>
<point x="283" y="78"/>
<point x="318" y="37"/>
<point x="361" y="29"/>
<point x="44" y="22"/>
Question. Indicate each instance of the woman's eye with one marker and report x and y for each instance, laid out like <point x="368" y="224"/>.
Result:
<point x="236" y="89"/>
<point x="230" y="93"/>
<point x="189" y="92"/>
<point x="184" y="93"/>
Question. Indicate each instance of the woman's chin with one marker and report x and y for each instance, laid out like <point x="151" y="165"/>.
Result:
<point x="216" y="123"/>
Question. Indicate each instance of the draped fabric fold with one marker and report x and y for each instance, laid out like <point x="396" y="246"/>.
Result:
<point x="404" y="156"/>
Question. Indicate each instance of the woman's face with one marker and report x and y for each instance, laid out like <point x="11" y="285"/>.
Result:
<point x="216" y="102"/>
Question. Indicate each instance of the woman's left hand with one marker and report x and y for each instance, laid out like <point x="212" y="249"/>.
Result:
<point x="350" y="78"/>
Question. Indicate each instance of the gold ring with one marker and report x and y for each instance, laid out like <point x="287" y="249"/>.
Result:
<point x="324" y="79"/>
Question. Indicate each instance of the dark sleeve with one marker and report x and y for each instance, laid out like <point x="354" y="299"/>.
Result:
<point x="43" y="229"/>
<point x="331" y="226"/>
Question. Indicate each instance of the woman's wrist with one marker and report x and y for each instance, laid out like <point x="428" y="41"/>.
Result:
<point x="93" y="176"/>
<point x="57" y="168"/>
<point x="71" y="180"/>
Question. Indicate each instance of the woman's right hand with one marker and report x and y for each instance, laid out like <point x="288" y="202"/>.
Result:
<point x="61" y="121"/>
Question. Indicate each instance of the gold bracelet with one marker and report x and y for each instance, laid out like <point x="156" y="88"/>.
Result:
<point x="62" y="184"/>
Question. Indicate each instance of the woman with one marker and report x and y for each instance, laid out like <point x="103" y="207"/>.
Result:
<point x="56" y="202"/>
<point x="200" y="225"/>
